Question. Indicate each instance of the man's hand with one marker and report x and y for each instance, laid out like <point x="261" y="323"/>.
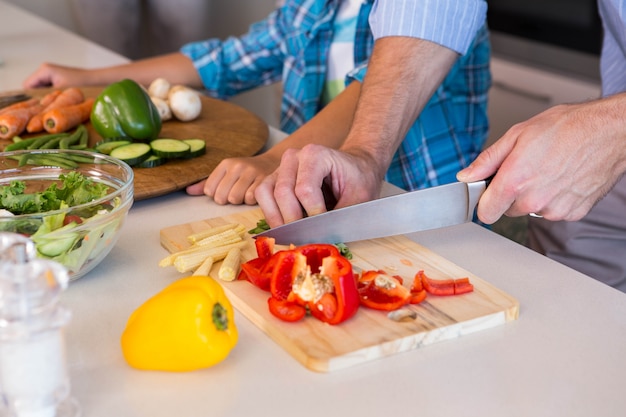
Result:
<point x="557" y="164"/>
<point x="295" y="189"/>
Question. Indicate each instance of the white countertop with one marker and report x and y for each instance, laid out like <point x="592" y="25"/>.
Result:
<point x="564" y="356"/>
<point x="26" y="41"/>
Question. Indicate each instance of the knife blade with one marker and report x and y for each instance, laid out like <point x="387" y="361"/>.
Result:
<point x="8" y="99"/>
<point x="413" y="211"/>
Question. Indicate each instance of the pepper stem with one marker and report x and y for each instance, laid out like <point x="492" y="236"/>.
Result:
<point x="220" y="317"/>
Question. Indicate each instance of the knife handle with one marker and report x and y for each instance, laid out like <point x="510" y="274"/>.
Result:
<point x="488" y="179"/>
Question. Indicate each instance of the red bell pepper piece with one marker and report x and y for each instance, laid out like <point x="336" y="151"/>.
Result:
<point x="264" y="246"/>
<point x="381" y="291"/>
<point x="290" y="262"/>
<point x="324" y="259"/>
<point x="417" y="297"/>
<point x="439" y="288"/>
<point x="258" y="272"/>
<point x="418" y="293"/>
<point x="286" y="310"/>
<point x="463" y="286"/>
<point x="343" y="302"/>
<point x="282" y="274"/>
<point x="445" y="286"/>
<point x="316" y="252"/>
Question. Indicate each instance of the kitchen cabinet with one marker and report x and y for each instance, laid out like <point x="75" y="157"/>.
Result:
<point x="520" y="91"/>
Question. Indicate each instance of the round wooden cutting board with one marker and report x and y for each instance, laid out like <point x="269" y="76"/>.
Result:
<point x="228" y="130"/>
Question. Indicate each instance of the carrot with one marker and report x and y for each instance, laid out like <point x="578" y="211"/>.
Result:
<point x="67" y="97"/>
<point x="14" y="122"/>
<point x="20" y="105"/>
<point x="66" y="118"/>
<point x="49" y="98"/>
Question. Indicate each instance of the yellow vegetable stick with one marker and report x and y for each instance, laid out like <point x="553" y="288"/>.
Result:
<point x="188" y="261"/>
<point x="205" y="267"/>
<point x="169" y="259"/>
<point x="193" y="238"/>
<point x="223" y="238"/>
<point x="230" y="266"/>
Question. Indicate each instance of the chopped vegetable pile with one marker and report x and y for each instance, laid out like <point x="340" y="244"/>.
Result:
<point x="317" y="279"/>
<point x="309" y="280"/>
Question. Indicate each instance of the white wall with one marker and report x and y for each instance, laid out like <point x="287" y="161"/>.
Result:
<point x="229" y="17"/>
<point x="55" y="11"/>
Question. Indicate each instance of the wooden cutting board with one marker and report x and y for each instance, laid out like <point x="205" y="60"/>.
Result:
<point x="228" y="130"/>
<point x="369" y="334"/>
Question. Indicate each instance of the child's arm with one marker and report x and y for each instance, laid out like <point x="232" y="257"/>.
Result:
<point x="175" y="67"/>
<point x="234" y="179"/>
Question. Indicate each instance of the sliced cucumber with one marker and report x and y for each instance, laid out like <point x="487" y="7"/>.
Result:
<point x="170" y="148"/>
<point x="152" y="161"/>
<point x="105" y="146"/>
<point x="132" y="154"/>
<point x="197" y="147"/>
<point x="58" y="246"/>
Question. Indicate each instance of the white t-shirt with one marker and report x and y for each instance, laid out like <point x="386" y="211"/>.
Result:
<point x="341" y="52"/>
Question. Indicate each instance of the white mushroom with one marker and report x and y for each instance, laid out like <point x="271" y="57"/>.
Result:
<point x="185" y="103"/>
<point x="160" y="87"/>
<point x="162" y="107"/>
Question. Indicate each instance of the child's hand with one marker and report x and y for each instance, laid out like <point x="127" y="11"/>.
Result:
<point x="50" y="75"/>
<point x="234" y="180"/>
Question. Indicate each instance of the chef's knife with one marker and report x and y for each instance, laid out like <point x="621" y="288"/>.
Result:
<point x="430" y="208"/>
<point x="8" y="99"/>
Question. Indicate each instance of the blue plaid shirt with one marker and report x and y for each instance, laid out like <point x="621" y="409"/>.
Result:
<point x="292" y="45"/>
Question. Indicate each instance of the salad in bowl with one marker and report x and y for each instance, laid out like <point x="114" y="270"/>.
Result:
<point x="70" y="203"/>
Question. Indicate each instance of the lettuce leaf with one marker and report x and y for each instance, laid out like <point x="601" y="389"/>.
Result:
<point x="75" y="189"/>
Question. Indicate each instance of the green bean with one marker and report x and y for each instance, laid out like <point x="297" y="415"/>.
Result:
<point x="52" y="143"/>
<point x="84" y="135"/>
<point x="52" y="160"/>
<point x="25" y="143"/>
<point x="79" y="136"/>
<point x="80" y="158"/>
<point x="42" y="140"/>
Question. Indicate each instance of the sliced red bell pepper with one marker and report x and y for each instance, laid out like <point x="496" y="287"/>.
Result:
<point x="286" y="310"/>
<point x="284" y="266"/>
<point x="418" y="293"/>
<point x="285" y="270"/>
<point x="381" y="291"/>
<point x="343" y="302"/>
<point x="264" y="246"/>
<point x="445" y="286"/>
<point x="417" y="297"/>
<point x="316" y="252"/>
<point x="282" y="273"/>
<point x="258" y="272"/>
<point x="367" y="276"/>
<point x="463" y="286"/>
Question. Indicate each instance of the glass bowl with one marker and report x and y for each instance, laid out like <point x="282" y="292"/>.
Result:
<point x="80" y="231"/>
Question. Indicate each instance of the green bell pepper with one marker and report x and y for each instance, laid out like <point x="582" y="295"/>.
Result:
<point x="125" y="109"/>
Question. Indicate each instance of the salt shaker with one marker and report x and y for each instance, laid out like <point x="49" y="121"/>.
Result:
<point x="34" y="381"/>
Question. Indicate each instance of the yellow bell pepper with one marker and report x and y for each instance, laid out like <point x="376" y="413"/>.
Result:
<point x="189" y="325"/>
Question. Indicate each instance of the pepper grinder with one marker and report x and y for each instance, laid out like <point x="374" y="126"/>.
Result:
<point x="34" y="381"/>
